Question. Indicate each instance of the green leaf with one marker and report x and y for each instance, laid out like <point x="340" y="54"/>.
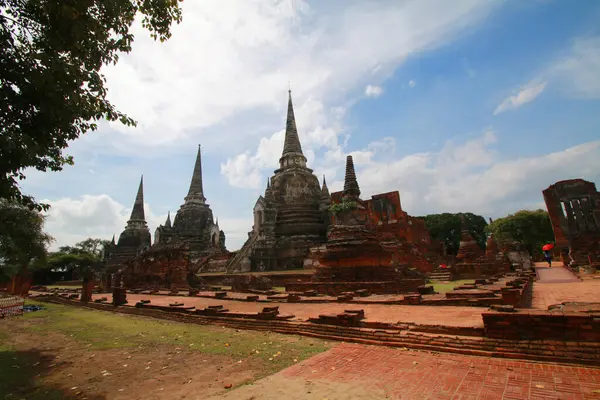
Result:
<point x="52" y="54"/>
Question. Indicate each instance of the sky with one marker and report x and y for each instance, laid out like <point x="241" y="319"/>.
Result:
<point x="461" y="106"/>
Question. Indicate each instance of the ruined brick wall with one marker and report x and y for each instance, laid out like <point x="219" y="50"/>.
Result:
<point x="412" y="237"/>
<point x="542" y="325"/>
<point x="217" y="263"/>
<point x="574" y="210"/>
<point x="336" y="288"/>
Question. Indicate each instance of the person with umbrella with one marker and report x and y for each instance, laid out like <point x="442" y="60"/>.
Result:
<point x="547" y="256"/>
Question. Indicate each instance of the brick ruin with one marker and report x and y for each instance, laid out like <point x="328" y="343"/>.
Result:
<point x="405" y="236"/>
<point x="574" y="209"/>
<point x="473" y="262"/>
<point x="292" y="215"/>
<point x="354" y="256"/>
<point x="192" y="242"/>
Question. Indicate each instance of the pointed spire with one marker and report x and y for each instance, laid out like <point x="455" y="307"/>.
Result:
<point x="196" y="191"/>
<point x="324" y="188"/>
<point x="217" y="223"/>
<point x="137" y="213"/>
<point x="113" y="240"/>
<point x="168" y="221"/>
<point x="268" y="198"/>
<point x="351" y="189"/>
<point x="292" y="141"/>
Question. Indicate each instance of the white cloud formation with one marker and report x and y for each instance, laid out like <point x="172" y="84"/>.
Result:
<point x="412" y="83"/>
<point x="578" y="72"/>
<point x="373" y="91"/>
<point x="345" y="50"/>
<point x="525" y="95"/>
<point x="472" y="176"/>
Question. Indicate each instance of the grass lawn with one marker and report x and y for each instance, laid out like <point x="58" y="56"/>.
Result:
<point x="59" y="286"/>
<point x="107" y="333"/>
<point x="444" y="287"/>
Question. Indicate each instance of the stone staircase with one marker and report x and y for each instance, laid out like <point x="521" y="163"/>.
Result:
<point x="243" y="252"/>
<point x="440" y="274"/>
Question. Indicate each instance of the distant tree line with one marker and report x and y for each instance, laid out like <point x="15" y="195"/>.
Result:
<point x="531" y="229"/>
<point x="24" y="248"/>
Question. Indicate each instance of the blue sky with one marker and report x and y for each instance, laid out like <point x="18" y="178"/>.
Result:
<point x="466" y="105"/>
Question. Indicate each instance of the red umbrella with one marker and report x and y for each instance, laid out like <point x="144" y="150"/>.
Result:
<point x="547" y="247"/>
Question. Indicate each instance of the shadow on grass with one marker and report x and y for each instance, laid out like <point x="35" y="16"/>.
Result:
<point x="21" y="373"/>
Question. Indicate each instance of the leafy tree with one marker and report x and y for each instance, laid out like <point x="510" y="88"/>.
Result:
<point x="22" y="239"/>
<point x="446" y="228"/>
<point x="532" y="229"/>
<point x="83" y="258"/>
<point x="51" y="54"/>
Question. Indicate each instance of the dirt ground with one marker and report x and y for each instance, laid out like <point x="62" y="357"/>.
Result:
<point x="40" y="362"/>
<point x="163" y="372"/>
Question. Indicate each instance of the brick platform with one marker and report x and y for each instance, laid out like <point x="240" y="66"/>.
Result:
<point x="400" y="374"/>
<point x="431" y="315"/>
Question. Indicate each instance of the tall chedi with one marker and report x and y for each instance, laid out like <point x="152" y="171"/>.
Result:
<point x="181" y="247"/>
<point x="136" y="236"/>
<point x="194" y="224"/>
<point x="289" y="218"/>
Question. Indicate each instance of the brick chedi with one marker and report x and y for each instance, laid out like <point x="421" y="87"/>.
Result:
<point x="290" y="217"/>
<point x="133" y="240"/>
<point x="182" y="247"/>
<point x="574" y="209"/>
<point x="491" y="247"/>
<point x="353" y="257"/>
<point x="405" y="236"/>
<point x="473" y="262"/>
<point x="468" y="249"/>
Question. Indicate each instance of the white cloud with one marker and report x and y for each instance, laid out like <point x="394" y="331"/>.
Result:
<point x="578" y="73"/>
<point x="472" y="176"/>
<point x="412" y="83"/>
<point x="235" y="57"/>
<point x="525" y="95"/>
<point x="373" y="91"/>
<point x="359" y="46"/>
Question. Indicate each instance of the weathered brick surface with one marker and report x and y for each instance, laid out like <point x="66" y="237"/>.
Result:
<point x="418" y="375"/>
<point x="574" y="209"/>
<point x="541" y="325"/>
<point x="334" y="288"/>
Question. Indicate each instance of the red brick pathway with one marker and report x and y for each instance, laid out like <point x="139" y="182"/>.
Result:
<point x="555" y="274"/>
<point x="557" y="285"/>
<point x="403" y="374"/>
